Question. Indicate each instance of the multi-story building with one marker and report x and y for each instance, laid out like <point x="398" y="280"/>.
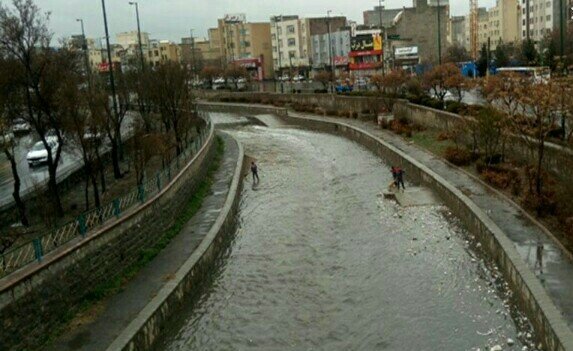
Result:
<point x="246" y="44"/>
<point x="199" y="53"/>
<point x="366" y="55"/>
<point x="161" y="51"/>
<point x="339" y="50"/>
<point x="288" y="39"/>
<point x="418" y="25"/>
<point x="457" y="31"/>
<point x="543" y="17"/>
<point x="125" y="39"/>
<point x="292" y="40"/>
<point x="503" y="23"/>
<point x="372" y="17"/>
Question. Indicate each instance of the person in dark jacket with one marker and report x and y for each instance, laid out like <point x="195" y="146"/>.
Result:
<point x="255" y="172"/>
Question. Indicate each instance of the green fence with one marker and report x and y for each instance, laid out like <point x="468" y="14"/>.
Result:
<point x="35" y="250"/>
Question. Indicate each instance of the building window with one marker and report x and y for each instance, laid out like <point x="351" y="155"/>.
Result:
<point x="280" y="43"/>
<point x="548" y="18"/>
<point x="291" y="42"/>
<point x="290" y="29"/>
<point x="274" y="37"/>
<point x="279" y="30"/>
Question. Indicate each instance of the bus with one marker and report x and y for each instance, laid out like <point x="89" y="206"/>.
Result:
<point x="537" y="74"/>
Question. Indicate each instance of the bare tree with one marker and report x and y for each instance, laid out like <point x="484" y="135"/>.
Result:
<point x="10" y="107"/>
<point x="538" y="102"/>
<point x="174" y="99"/>
<point x="234" y="73"/>
<point x="24" y="36"/>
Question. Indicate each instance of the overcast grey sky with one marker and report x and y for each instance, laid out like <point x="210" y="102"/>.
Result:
<point x="172" y="19"/>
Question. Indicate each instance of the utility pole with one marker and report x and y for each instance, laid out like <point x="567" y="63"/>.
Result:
<point x="193" y="55"/>
<point x="562" y="34"/>
<point x="329" y="47"/>
<point x="439" y="36"/>
<point x="138" y="34"/>
<point x="279" y="49"/>
<point x="85" y="48"/>
<point x="384" y="35"/>
<point x="110" y="63"/>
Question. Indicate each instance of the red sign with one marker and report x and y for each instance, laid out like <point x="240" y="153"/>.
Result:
<point x="248" y="63"/>
<point x="340" y="60"/>
<point x="364" y="65"/>
<point x="365" y="53"/>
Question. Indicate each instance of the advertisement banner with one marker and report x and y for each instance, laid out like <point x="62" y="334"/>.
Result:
<point x="235" y="18"/>
<point x="377" y="42"/>
<point x="364" y="65"/>
<point x="362" y="43"/>
<point x="340" y="60"/>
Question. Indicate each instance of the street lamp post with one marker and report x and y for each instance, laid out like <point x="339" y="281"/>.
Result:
<point x="439" y="36"/>
<point x="110" y="63"/>
<point x="329" y="47"/>
<point x="561" y="34"/>
<point x="279" y="49"/>
<point x="85" y="47"/>
<point x="193" y="67"/>
<point x="138" y="34"/>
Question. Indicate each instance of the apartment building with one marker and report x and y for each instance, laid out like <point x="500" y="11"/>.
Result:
<point x="503" y="23"/>
<point x="543" y="16"/>
<point x="288" y="40"/>
<point x="247" y="44"/>
<point x="292" y="40"/>
<point x="161" y="51"/>
<point x="126" y="39"/>
<point x="457" y="31"/>
<point x="340" y="49"/>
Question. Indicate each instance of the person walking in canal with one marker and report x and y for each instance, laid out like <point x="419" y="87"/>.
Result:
<point x="255" y="171"/>
<point x="399" y="178"/>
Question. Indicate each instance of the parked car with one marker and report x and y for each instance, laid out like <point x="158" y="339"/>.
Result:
<point x="219" y="83"/>
<point x="21" y="126"/>
<point x="38" y="155"/>
<point x="298" y="78"/>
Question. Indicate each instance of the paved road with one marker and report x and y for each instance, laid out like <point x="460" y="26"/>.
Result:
<point x="38" y="176"/>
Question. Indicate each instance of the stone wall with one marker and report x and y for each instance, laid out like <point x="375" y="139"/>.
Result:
<point x="531" y="297"/>
<point x="144" y="330"/>
<point x="38" y="300"/>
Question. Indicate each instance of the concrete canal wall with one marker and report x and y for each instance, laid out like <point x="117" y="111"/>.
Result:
<point x="530" y="296"/>
<point x="41" y="297"/>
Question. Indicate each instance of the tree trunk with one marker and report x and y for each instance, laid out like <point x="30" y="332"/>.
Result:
<point x="86" y="191"/>
<point x="538" y="175"/>
<point x="115" y="159"/>
<point x="53" y="189"/>
<point x="93" y="178"/>
<point x="16" y="193"/>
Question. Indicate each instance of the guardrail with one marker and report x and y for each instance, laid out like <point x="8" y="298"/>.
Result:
<point x="35" y="250"/>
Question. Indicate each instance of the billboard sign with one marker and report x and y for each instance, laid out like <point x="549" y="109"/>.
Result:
<point x="340" y="60"/>
<point x="235" y="18"/>
<point x="366" y="42"/>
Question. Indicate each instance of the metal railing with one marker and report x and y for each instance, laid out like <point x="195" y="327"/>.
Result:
<point x="81" y="226"/>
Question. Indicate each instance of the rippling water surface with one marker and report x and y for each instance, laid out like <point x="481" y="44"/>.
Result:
<point x="320" y="261"/>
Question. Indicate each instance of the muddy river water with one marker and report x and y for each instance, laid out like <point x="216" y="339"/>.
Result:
<point x="321" y="261"/>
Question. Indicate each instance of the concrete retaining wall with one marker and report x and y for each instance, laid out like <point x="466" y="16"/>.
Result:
<point x="530" y="296"/>
<point x="39" y="299"/>
<point x="144" y="330"/>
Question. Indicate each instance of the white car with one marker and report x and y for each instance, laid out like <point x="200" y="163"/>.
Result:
<point x="298" y="78"/>
<point x="39" y="155"/>
<point x="21" y="126"/>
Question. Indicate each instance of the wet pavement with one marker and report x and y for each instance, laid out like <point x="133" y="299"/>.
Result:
<point x="99" y="329"/>
<point x="321" y="261"/>
<point x="557" y="275"/>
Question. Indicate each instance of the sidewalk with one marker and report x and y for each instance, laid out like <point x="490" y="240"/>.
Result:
<point x="119" y="310"/>
<point x="557" y="277"/>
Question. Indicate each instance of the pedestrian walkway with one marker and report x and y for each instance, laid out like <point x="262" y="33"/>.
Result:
<point x="119" y="310"/>
<point x="557" y="277"/>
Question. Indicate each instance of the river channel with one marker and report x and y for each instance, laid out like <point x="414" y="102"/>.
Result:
<point x="321" y="261"/>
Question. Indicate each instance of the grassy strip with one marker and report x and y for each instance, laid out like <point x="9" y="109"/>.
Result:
<point x="147" y="255"/>
<point x="115" y="285"/>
